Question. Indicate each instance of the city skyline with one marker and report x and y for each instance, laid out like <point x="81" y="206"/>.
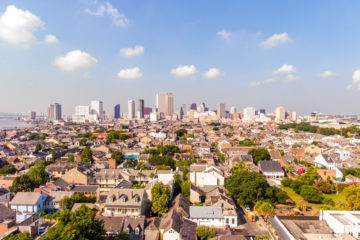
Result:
<point x="250" y="54"/>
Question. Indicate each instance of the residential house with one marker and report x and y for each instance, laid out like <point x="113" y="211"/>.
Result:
<point x="27" y="203"/>
<point x="122" y="202"/>
<point x="202" y="175"/>
<point x="52" y="202"/>
<point x="325" y="160"/>
<point x="211" y="216"/>
<point x="271" y="169"/>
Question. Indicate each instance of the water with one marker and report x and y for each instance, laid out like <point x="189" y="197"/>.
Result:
<point x="11" y="123"/>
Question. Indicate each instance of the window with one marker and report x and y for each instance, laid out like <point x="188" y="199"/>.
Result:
<point x="137" y="231"/>
<point x="227" y="221"/>
<point x="233" y="221"/>
<point x="127" y="230"/>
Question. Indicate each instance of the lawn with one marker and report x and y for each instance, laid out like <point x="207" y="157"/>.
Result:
<point x="296" y="198"/>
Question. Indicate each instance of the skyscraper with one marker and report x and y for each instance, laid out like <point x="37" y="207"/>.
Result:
<point x="249" y="114"/>
<point x="221" y="110"/>
<point x="280" y="113"/>
<point x="131" y="109"/>
<point x="141" y="108"/>
<point x="54" y="112"/>
<point x="169" y="104"/>
<point x="96" y="107"/>
<point x="117" y="111"/>
<point x="32" y="115"/>
<point x="193" y="106"/>
<point x="160" y="102"/>
<point x="262" y="111"/>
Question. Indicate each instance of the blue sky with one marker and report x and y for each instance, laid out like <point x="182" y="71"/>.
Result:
<point x="302" y="55"/>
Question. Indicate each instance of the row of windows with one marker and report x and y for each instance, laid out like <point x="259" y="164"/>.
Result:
<point x="123" y="210"/>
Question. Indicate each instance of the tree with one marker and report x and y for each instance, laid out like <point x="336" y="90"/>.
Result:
<point x="81" y="224"/>
<point x="185" y="188"/>
<point x="19" y="236"/>
<point x="118" y="156"/>
<point x="180" y="132"/>
<point x="139" y="174"/>
<point x="38" y="174"/>
<point x="177" y="184"/>
<point x="259" y="154"/>
<point x="121" y="236"/>
<point x="22" y="183"/>
<point x="286" y="182"/>
<point x="264" y="209"/>
<point x="352" y="196"/>
<point x="7" y="169"/>
<point x="205" y="232"/>
<point x="160" y="196"/>
<point x="86" y="155"/>
<point x="38" y="147"/>
<point x="311" y="194"/>
<point x="70" y="158"/>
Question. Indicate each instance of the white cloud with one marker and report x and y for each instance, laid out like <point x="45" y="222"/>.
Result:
<point x="213" y="73"/>
<point x="184" y="71"/>
<point x="119" y="19"/>
<point x="291" y="78"/>
<point x="130" y="52"/>
<point x="275" y="40"/>
<point x="285" y="68"/>
<point x="74" y="60"/>
<point x="269" y="80"/>
<point x="17" y="26"/>
<point x="225" y="35"/>
<point x="130" y="73"/>
<point x="254" y="84"/>
<point x="355" y="80"/>
<point x="327" y="74"/>
<point x="51" y="39"/>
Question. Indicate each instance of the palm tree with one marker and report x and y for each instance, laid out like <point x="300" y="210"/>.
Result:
<point x="140" y="175"/>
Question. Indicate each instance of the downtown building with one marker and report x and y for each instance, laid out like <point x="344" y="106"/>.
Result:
<point x="54" y="112"/>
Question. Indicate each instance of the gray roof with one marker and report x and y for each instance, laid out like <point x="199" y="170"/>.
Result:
<point x="205" y="212"/>
<point x="28" y="198"/>
<point x="270" y="166"/>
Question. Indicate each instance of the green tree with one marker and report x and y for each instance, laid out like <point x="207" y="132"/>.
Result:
<point x="352" y="196"/>
<point x="205" y="232"/>
<point x="180" y="132"/>
<point x="259" y="154"/>
<point x="118" y="156"/>
<point x="7" y="169"/>
<point x="38" y="174"/>
<point x="38" y="147"/>
<point x="22" y="183"/>
<point x="121" y="236"/>
<point x="177" y="184"/>
<point x="264" y="209"/>
<point x="311" y="194"/>
<point x="185" y="188"/>
<point x="19" y="236"/>
<point x="70" y="158"/>
<point x="81" y="224"/>
<point x="86" y="155"/>
<point x="68" y="202"/>
<point x="160" y="196"/>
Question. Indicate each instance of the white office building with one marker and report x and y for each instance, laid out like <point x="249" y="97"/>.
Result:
<point x="131" y="109"/>
<point x="248" y="114"/>
<point x="96" y="107"/>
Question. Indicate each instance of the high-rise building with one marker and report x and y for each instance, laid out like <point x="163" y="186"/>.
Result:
<point x="160" y="102"/>
<point x="83" y="114"/>
<point x="32" y="115"/>
<point x="262" y="111"/>
<point x="280" y="113"/>
<point x="147" y="110"/>
<point x="131" y="109"/>
<point x="141" y="108"/>
<point x="232" y="110"/>
<point x="294" y="116"/>
<point x="117" y="111"/>
<point x="169" y="104"/>
<point x="249" y="114"/>
<point x="221" y="112"/>
<point x="54" y="112"/>
<point x="82" y="110"/>
<point x="96" y="107"/>
<point x="193" y="106"/>
<point x="183" y="108"/>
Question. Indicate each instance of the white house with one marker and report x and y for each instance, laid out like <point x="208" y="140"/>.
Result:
<point x="205" y="175"/>
<point x="343" y="154"/>
<point x="211" y="216"/>
<point x="27" y="204"/>
<point x="324" y="160"/>
<point x="343" y="222"/>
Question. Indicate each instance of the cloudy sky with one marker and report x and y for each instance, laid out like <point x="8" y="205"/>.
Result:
<point x="303" y="55"/>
